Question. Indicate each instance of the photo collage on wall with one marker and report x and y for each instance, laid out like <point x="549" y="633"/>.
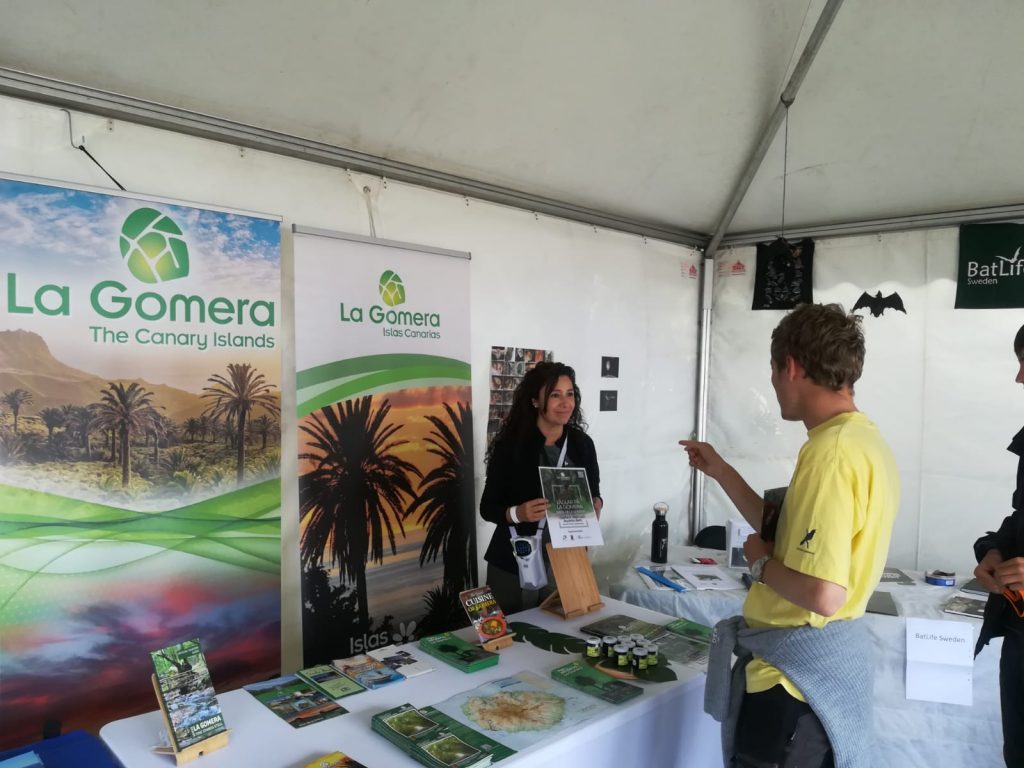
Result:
<point x="508" y="366"/>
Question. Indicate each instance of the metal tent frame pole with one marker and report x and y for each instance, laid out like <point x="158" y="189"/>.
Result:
<point x="817" y="37"/>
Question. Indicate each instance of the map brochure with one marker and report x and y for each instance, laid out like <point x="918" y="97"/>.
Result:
<point x="401" y="661"/>
<point x="583" y="677"/>
<point x="522" y="709"/>
<point x="665" y="571"/>
<point x="452" y="649"/>
<point x="572" y="519"/>
<point x="330" y="681"/>
<point x="895" y="576"/>
<point x="485" y="613"/>
<point x="433" y="739"/>
<point x="965" y="606"/>
<point x="367" y="671"/>
<point x="186" y="693"/>
<point x="295" y="700"/>
<point x="334" y="760"/>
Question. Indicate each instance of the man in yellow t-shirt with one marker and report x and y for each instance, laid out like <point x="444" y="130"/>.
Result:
<point x="833" y="531"/>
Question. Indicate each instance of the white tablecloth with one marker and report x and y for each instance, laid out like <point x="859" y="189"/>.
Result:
<point x="909" y="733"/>
<point x="666" y="726"/>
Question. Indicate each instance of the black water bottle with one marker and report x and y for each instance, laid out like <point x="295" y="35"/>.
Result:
<point x="659" y="534"/>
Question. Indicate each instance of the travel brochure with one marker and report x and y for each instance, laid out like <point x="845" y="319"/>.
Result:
<point x="484" y="612"/>
<point x="333" y="760"/>
<point x="186" y="693"/>
<point x="436" y="740"/>
<point x="401" y="661"/>
<point x="330" y="681"/>
<point x="572" y="519"/>
<point x="367" y="671"/>
<point x="294" y="700"/>
<point x="593" y="681"/>
<point x="452" y="649"/>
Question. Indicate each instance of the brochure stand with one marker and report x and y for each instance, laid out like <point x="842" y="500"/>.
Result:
<point x="576" y="590"/>
<point x="190" y="753"/>
<point x="498" y="643"/>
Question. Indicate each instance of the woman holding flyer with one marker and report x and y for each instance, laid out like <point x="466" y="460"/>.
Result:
<point x="544" y="427"/>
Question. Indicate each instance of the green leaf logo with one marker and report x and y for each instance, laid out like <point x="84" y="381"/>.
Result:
<point x="392" y="292"/>
<point x="153" y="246"/>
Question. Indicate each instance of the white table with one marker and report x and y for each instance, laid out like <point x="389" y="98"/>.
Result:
<point x="908" y="733"/>
<point x="666" y="726"/>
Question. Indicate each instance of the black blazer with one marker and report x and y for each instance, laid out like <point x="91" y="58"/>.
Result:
<point x="512" y="478"/>
<point x="1009" y="540"/>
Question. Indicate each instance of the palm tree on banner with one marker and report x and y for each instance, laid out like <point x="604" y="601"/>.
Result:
<point x="82" y="421"/>
<point x="234" y="397"/>
<point x="14" y="400"/>
<point x="445" y="500"/>
<point x="125" y="410"/>
<point x="354" y="493"/>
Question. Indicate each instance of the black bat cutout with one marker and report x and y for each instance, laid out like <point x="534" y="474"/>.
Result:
<point x="878" y="303"/>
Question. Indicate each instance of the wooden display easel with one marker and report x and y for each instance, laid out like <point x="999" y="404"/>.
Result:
<point x="498" y="643"/>
<point x="190" y="753"/>
<point x="576" y="590"/>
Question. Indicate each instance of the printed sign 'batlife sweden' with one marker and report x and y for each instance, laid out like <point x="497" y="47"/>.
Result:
<point x="991" y="270"/>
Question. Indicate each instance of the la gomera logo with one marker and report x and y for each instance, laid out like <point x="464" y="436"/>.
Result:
<point x="154" y="248"/>
<point x="395" y="323"/>
<point x="392" y="290"/>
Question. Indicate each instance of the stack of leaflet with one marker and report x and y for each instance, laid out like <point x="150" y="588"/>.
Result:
<point x="367" y="671"/>
<point x="433" y="739"/>
<point x="453" y="650"/>
<point x="583" y="677"/>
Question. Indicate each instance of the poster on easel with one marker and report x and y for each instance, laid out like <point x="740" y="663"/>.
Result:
<point x="139" y="448"/>
<point x="386" y="503"/>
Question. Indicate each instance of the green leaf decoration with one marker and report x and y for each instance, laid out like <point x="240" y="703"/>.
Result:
<point x="555" y="642"/>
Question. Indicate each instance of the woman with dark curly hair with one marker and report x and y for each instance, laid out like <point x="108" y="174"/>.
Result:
<point x="544" y="427"/>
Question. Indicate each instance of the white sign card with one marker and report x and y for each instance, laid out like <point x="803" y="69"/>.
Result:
<point x="736" y="532"/>
<point x="940" y="661"/>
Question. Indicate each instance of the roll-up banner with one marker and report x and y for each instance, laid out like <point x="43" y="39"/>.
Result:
<point x="139" y="449"/>
<point x="387" y="532"/>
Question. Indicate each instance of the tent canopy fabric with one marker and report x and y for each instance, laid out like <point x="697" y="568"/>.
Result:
<point x="645" y="110"/>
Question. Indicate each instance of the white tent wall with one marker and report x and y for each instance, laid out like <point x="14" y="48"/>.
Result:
<point x="581" y="291"/>
<point x="938" y="382"/>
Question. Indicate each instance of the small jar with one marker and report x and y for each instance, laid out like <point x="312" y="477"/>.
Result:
<point x="609" y="642"/>
<point x="621" y="656"/>
<point x="637" y="638"/>
<point x="652" y="654"/>
<point x="594" y="648"/>
<point x="639" y="659"/>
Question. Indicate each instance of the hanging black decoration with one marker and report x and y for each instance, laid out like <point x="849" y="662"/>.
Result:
<point x="782" y="278"/>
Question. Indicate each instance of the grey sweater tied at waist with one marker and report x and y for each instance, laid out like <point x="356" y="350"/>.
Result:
<point x="832" y="668"/>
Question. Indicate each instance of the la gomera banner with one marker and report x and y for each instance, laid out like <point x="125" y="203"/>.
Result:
<point x="387" y="522"/>
<point x="991" y="268"/>
<point x="139" y="450"/>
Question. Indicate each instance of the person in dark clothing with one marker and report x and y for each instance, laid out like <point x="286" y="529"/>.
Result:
<point x="544" y="427"/>
<point x="1000" y="556"/>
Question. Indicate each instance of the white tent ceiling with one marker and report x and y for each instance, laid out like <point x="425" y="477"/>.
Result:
<point x="647" y="110"/>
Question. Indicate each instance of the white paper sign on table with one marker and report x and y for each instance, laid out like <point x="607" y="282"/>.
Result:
<point x="940" y="661"/>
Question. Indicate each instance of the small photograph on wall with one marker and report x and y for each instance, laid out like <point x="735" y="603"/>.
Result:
<point x="609" y="400"/>
<point x="609" y="367"/>
<point x="508" y="366"/>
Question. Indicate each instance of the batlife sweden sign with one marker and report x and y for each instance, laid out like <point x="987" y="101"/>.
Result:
<point x="990" y="274"/>
<point x="387" y="509"/>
